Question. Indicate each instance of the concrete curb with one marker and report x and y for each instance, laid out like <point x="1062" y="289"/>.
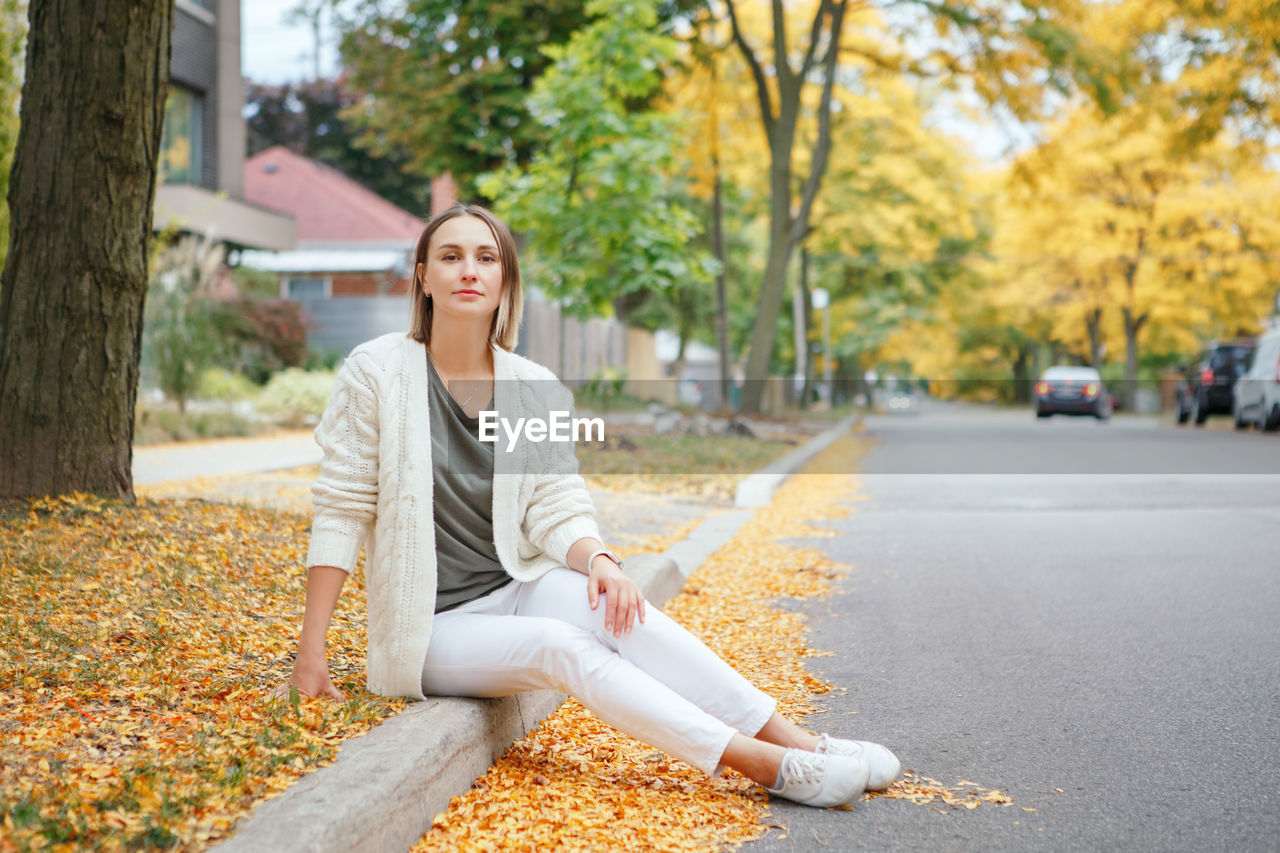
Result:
<point x="385" y="787"/>
<point x="758" y="488"/>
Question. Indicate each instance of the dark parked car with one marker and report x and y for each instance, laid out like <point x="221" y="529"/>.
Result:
<point x="1072" y="391"/>
<point x="1207" y="382"/>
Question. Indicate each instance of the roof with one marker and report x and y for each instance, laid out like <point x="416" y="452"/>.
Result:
<point x="326" y="260"/>
<point x="328" y="206"/>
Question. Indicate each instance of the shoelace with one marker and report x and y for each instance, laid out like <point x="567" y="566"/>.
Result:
<point x="827" y="746"/>
<point x="804" y="769"/>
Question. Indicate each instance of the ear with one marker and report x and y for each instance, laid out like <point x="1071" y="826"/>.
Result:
<point x="420" y="278"/>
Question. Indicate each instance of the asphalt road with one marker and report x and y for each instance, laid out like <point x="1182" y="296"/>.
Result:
<point x="1115" y="635"/>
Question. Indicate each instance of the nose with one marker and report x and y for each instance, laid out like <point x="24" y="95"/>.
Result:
<point x="469" y="269"/>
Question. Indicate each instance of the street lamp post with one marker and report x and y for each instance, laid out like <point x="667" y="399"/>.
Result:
<point x="822" y="302"/>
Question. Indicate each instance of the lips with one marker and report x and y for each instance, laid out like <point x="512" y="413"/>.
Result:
<point x="468" y="293"/>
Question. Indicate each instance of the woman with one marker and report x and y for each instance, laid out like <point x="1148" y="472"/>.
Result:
<point x="486" y="574"/>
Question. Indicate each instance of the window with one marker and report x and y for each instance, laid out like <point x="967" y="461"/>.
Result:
<point x="180" y="152"/>
<point x="302" y="288"/>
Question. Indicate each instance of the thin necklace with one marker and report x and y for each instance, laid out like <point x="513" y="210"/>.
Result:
<point x="445" y="380"/>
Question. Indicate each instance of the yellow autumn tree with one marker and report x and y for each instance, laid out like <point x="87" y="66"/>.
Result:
<point x="898" y="225"/>
<point x="1114" y="227"/>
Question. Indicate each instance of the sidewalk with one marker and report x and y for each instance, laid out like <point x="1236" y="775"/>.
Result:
<point x="192" y="459"/>
<point x="384" y="788"/>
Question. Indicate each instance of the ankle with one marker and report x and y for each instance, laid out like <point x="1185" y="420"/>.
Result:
<point x="781" y="731"/>
<point x="757" y="760"/>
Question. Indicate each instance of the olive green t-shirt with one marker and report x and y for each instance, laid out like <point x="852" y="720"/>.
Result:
<point x="467" y="565"/>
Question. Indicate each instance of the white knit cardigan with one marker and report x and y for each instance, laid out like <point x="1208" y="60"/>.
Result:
<point x="375" y="489"/>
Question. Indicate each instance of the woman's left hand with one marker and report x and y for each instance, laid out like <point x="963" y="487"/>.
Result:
<point x="623" y="602"/>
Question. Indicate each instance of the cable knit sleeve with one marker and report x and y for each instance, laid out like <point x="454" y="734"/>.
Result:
<point x="345" y="495"/>
<point x="560" y="510"/>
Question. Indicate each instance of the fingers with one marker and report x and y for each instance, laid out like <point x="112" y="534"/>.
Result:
<point x="282" y="691"/>
<point x="327" y="690"/>
<point x="626" y="604"/>
<point x="622" y="604"/>
<point x="610" y="606"/>
<point x="631" y="613"/>
<point x="593" y="591"/>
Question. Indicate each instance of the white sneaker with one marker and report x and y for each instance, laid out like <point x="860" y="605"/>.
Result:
<point x="884" y="765"/>
<point x="821" y="780"/>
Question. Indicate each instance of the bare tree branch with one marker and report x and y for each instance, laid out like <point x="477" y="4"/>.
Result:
<point x="781" y="67"/>
<point x="815" y="35"/>
<point x="822" y="149"/>
<point x="762" y="85"/>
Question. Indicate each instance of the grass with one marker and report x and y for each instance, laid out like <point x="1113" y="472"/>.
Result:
<point x="668" y="454"/>
<point x="708" y="467"/>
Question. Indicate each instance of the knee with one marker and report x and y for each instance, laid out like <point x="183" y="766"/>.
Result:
<point x="570" y="655"/>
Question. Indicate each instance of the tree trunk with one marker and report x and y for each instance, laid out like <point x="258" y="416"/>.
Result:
<point x="1133" y="323"/>
<point x="769" y="305"/>
<point x="806" y="294"/>
<point x="787" y="226"/>
<point x="1132" y="326"/>
<point x="722" y="298"/>
<point x="75" y="280"/>
<point x="1022" y="375"/>
<point x="1093" y="324"/>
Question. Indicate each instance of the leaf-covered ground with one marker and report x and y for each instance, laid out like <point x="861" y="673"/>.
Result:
<point x="136" y="643"/>
<point x="576" y="784"/>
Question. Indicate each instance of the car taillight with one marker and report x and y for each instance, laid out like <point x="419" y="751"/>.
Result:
<point x="1042" y="388"/>
<point x="1206" y="376"/>
<point x="1091" y="390"/>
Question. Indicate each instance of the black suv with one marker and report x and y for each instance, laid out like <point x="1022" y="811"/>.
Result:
<point x="1207" y="382"/>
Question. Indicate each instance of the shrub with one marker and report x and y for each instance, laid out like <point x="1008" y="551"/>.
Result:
<point x="179" y="336"/>
<point x="261" y="336"/>
<point x="604" y="388"/>
<point x="218" y="383"/>
<point x="160" y="426"/>
<point x="297" y="397"/>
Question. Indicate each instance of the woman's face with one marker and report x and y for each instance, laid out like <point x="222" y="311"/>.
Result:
<point x="463" y="272"/>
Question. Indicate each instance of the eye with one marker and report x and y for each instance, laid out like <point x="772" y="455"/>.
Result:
<point x="488" y="258"/>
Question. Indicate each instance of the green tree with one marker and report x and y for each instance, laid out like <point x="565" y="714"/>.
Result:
<point x="75" y="279"/>
<point x="598" y="207"/>
<point x="13" y="38"/>
<point x="447" y="80"/>
<point x="309" y="119"/>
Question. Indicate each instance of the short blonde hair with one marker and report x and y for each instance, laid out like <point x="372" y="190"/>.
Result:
<point x="505" y="328"/>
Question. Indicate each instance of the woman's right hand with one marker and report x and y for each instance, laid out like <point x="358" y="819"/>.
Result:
<point x="311" y="677"/>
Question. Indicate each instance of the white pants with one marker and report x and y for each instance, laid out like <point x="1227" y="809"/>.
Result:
<point x="659" y="683"/>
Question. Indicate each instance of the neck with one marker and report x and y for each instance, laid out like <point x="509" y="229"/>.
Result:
<point x="459" y="351"/>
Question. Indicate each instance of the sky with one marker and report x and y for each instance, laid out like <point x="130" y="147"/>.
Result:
<point x="272" y="51"/>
